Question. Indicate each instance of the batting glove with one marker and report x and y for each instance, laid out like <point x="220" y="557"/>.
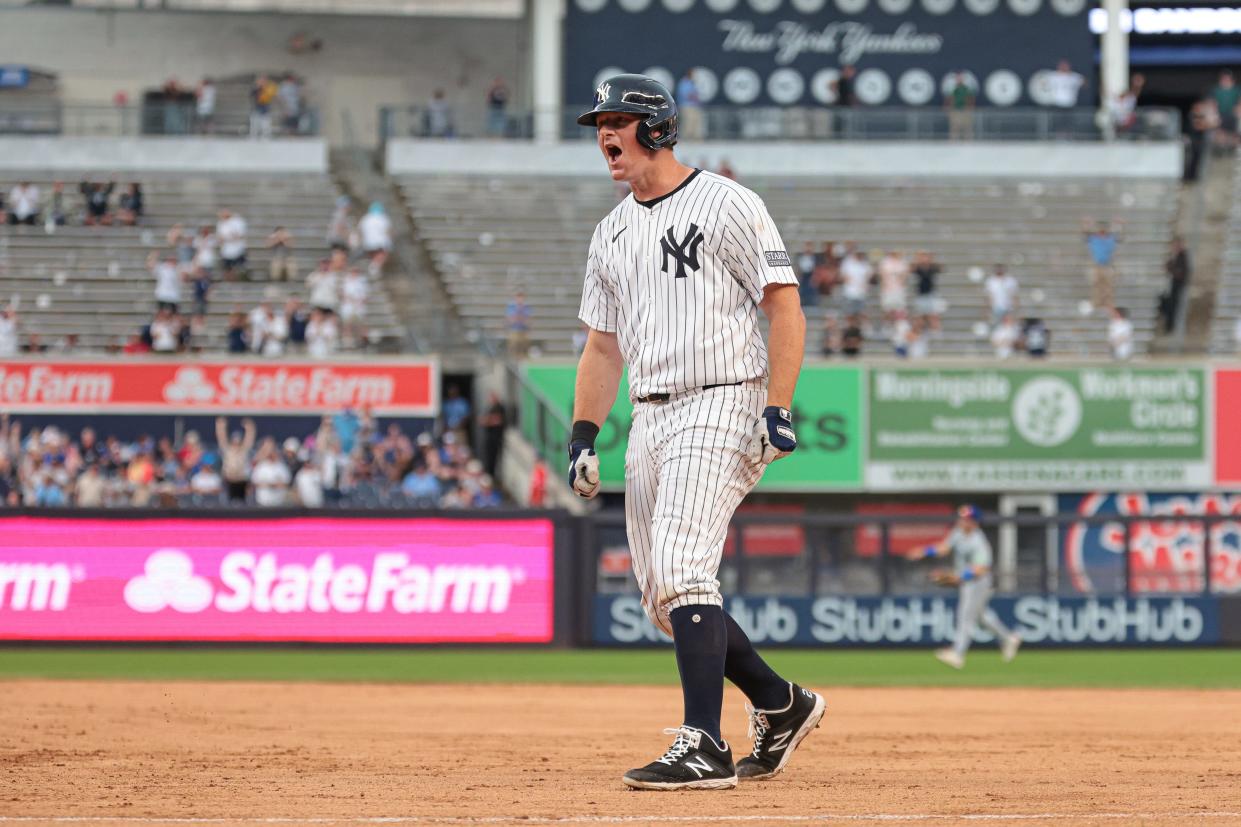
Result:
<point x="773" y="436"/>
<point x="583" y="461"/>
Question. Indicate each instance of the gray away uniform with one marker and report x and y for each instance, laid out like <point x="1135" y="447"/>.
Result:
<point x="969" y="550"/>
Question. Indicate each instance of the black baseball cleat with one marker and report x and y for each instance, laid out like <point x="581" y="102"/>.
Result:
<point x="778" y="732"/>
<point x="693" y="762"/>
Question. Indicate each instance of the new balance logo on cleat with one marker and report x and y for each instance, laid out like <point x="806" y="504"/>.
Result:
<point x="778" y="733"/>
<point x="693" y="762"/>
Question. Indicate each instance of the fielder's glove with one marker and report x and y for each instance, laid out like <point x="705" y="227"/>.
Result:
<point x="773" y="436"/>
<point x="942" y="577"/>
<point x="583" y="461"/>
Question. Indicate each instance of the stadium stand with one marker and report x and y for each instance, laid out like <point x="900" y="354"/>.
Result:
<point x="491" y="236"/>
<point x="93" y="282"/>
<point x="1225" y="340"/>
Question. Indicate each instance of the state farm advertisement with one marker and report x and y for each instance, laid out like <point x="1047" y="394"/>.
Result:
<point x="298" y="579"/>
<point x="408" y="387"/>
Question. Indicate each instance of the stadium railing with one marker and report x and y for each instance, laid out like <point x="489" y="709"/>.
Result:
<point x="732" y="123"/>
<point x="101" y="120"/>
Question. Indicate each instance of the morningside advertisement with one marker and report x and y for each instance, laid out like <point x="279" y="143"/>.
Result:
<point x="297" y="579"/>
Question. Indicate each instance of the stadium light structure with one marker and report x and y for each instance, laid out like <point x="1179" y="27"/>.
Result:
<point x="1171" y="20"/>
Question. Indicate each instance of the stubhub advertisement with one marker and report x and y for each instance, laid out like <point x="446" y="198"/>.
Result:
<point x="299" y="579"/>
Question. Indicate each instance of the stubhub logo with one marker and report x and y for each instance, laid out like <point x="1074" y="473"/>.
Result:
<point x="261" y="583"/>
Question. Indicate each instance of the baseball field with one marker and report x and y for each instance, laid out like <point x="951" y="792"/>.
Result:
<point x="389" y="736"/>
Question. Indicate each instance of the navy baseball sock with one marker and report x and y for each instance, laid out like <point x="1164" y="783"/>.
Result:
<point x="700" y="638"/>
<point x="750" y="673"/>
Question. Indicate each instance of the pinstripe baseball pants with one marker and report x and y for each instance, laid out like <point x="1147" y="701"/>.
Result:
<point x="686" y="471"/>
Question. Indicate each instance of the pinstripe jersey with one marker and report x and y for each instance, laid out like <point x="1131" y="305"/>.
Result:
<point x="678" y="279"/>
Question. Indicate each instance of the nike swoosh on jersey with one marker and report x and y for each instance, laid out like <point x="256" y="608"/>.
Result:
<point x="618" y="235"/>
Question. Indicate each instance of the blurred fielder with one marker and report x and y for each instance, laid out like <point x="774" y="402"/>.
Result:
<point x="971" y="574"/>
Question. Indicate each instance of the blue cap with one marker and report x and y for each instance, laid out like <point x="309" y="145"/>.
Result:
<point x="969" y="510"/>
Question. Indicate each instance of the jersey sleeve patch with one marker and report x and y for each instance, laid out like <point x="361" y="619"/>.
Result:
<point x="777" y="258"/>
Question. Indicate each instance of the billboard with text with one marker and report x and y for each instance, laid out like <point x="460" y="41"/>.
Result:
<point x="298" y="579"/>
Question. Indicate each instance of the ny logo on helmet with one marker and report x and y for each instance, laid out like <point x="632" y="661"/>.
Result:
<point x="602" y="93"/>
<point x="684" y="252"/>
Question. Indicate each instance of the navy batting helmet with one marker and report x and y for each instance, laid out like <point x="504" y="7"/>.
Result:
<point x="638" y="95"/>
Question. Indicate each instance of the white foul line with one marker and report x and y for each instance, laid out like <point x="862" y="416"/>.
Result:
<point x="824" y="818"/>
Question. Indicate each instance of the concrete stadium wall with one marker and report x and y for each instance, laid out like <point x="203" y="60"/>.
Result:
<point x="162" y="154"/>
<point x="869" y="159"/>
<point x="365" y="61"/>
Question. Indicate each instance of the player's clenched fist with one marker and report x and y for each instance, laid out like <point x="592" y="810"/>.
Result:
<point x="583" y="461"/>
<point x="773" y="435"/>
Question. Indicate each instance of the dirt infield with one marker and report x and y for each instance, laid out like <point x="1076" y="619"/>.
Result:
<point x="508" y="754"/>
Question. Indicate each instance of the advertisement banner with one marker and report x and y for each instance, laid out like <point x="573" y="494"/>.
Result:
<point x="827" y="414"/>
<point x="409" y="387"/>
<point x="1037" y="428"/>
<point x="300" y="579"/>
<point x="1165" y="555"/>
<point x="776" y="53"/>
<point x="930" y="620"/>
<point x="1227" y="432"/>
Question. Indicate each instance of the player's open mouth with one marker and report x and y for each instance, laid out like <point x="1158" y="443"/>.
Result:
<point x="613" y="151"/>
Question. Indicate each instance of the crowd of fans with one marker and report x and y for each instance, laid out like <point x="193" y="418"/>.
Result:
<point x="26" y="204"/>
<point x="348" y="460"/>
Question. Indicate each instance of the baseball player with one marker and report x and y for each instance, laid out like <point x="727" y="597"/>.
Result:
<point x="971" y="574"/>
<point x="675" y="278"/>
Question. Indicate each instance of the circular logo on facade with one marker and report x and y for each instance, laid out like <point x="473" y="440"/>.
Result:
<point x="1047" y="411"/>
<point x="786" y="86"/>
<point x="678" y="6"/>
<point x="873" y="86"/>
<point x="741" y="85"/>
<point x="851" y="6"/>
<point x="591" y="6"/>
<point x="823" y="85"/>
<point x="938" y="6"/>
<point x="721" y="6"/>
<point x="949" y="82"/>
<point x="706" y="81"/>
<point x="808" y="6"/>
<point x="603" y="74"/>
<point x="662" y="75"/>
<point x="981" y="7"/>
<point x="1003" y="87"/>
<point x="1068" y="7"/>
<point x="915" y="87"/>
<point x="1039" y="87"/>
<point x="764" y="6"/>
<point x="895" y="6"/>
<point x="1024" y="7"/>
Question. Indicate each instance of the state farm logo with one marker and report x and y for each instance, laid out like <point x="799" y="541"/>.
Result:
<point x="189" y="385"/>
<point x="260" y="583"/>
<point x="38" y="587"/>
<point x="168" y="581"/>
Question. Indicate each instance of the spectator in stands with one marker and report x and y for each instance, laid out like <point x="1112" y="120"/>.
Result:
<point x="517" y="315"/>
<point x="268" y="330"/>
<point x="1064" y="85"/>
<point x="206" y="485"/>
<point x="230" y="232"/>
<point x="807" y="264"/>
<point x="456" y="410"/>
<point x="902" y="331"/>
<point x="926" y="301"/>
<point x="322" y="334"/>
<point x="270" y="477"/>
<point x="340" y="226"/>
<point x="959" y="104"/>
<point x="493" y="422"/>
<point x="182" y="244"/>
<point x="689" y="107"/>
<point x="136" y="344"/>
<point x="262" y="96"/>
<point x="376" y="231"/>
<point x="167" y="280"/>
<point x="1101" y="241"/>
<point x="57" y="216"/>
<point x="421" y="484"/>
<point x="893" y="285"/>
<point x="205" y="250"/>
<point x="1226" y="96"/>
<point x="290" y="95"/>
<point x="291" y="455"/>
<point x="131" y="206"/>
<point x="201" y="284"/>
<point x="1035" y="338"/>
<point x="283" y="265"/>
<point x="98" y="209"/>
<point x="497" y="103"/>
<point x="235" y="455"/>
<point x="296" y="316"/>
<point x="1178" y="270"/>
<point x="353" y="294"/>
<point x="204" y="105"/>
<point x="308" y="483"/>
<point x="851" y="340"/>
<point x="1005" y="336"/>
<point x="8" y="332"/>
<point x="165" y="331"/>
<point x="855" y="276"/>
<point x="1201" y="123"/>
<point x="1002" y="290"/>
<point x="89" y="488"/>
<point x="1123" y="108"/>
<point x="438" y="116"/>
<point x="845" y="95"/>
<point x="24" y="204"/>
<point x="323" y="283"/>
<point x="831" y="341"/>
<point x="34" y="344"/>
<point x="827" y="271"/>
<point x="1120" y="334"/>
<point x="237" y="339"/>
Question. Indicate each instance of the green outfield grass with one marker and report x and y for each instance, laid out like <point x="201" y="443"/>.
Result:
<point x="1199" y="668"/>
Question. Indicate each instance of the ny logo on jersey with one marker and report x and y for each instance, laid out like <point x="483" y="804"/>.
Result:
<point x="684" y="252"/>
